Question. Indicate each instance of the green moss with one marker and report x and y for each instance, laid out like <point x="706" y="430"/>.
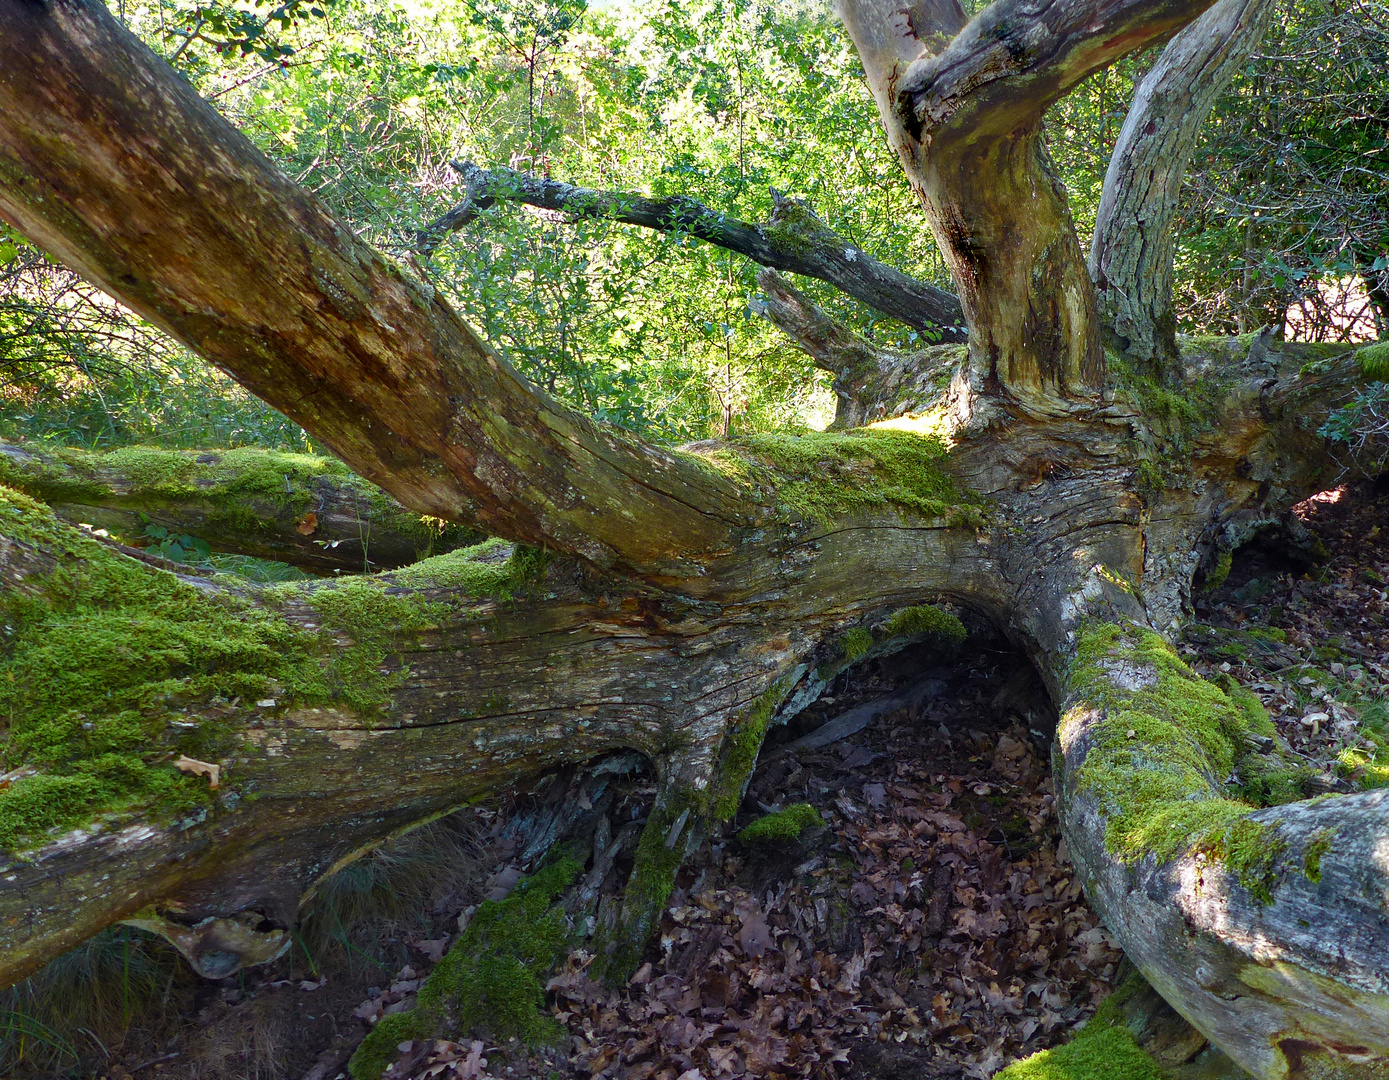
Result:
<point x="492" y="980"/>
<point x="818" y="475"/>
<point x="1103" y="1049"/>
<point x="493" y="568"/>
<point x="924" y="619"/>
<point x="1374" y="361"/>
<point x="785" y="824"/>
<point x="1317" y="846"/>
<point x="241" y="487"/>
<point x="1108" y="1054"/>
<point x="741" y="749"/>
<point x="855" y="644"/>
<point x="1151" y="478"/>
<point x="1219" y="572"/>
<point x="1160" y="755"/>
<point x="648" y="887"/>
<point x="109" y="669"/>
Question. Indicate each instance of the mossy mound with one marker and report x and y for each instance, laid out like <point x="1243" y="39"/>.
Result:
<point x="818" y="475"/>
<point x="241" y="487"/>
<point x="1161" y="754"/>
<point x="1108" y="1053"/>
<point x="785" y="824"/>
<point x="491" y="980"/>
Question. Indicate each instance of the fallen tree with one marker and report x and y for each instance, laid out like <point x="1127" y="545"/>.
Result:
<point x="668" y="603"/>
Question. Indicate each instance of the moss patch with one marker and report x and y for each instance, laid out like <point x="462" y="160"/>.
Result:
<point x="1374" y="361"/>
<point x="110" y="668"/>
<point x="818" y="475"/>
<point x="741" y="750"/>
<point x="1107" y="1053"/>
<point x="1317" y="846"/>
<point x="1160" y="755"/>
<point x="785" y="824"/>
<point x="855" y="644"/>
<point x="491" y="980"/>
<point x="925" y="620"/>
<point x="107" y="671"/>
<point x="242" y="487"/>
<point x="1220" y="571"/>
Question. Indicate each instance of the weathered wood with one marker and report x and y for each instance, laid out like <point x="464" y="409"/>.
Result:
<point x="693" y="592"/>
<point x="1131" y="252"/>
<point x="794" y="240"/>
<point x="965" y="101"/>
<point x="307" y="511"/>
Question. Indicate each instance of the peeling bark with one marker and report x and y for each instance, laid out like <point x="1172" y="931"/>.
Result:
<point x="1131" y="253"/>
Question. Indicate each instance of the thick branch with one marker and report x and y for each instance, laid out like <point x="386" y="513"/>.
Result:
<point x="795" y="240"/>
<point x="1131" y="254"/>
<point x="113" y="164"/>
<point x="294" y="508"/>
<point x="341" y="711"/>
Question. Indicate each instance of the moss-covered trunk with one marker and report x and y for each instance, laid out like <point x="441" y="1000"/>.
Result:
<point x="338" y="712"/>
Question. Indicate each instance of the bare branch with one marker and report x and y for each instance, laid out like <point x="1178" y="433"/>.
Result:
<point x="795" y="240"/>
<point x="1131" y="253"/>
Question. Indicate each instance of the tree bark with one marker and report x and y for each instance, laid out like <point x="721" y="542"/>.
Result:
<point x="695" y="596"/>
<point x="795" y="240"/>
<point x="306" y="511"/>
<point x="964" y="101"/>
<point x="1131" y="253"/>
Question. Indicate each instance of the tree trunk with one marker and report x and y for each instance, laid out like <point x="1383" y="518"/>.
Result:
<point x="961" y="102"/>
<point x="1131" y="254"/>
<point x="307" y="511"/>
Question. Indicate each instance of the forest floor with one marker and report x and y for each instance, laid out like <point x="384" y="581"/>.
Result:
<point x="930" y="926"/>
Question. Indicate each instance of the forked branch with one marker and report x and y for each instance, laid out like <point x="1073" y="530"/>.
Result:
<point x="964" y="117"/>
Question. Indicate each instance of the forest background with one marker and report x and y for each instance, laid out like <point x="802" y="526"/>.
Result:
<point x="1284" y="218"/>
